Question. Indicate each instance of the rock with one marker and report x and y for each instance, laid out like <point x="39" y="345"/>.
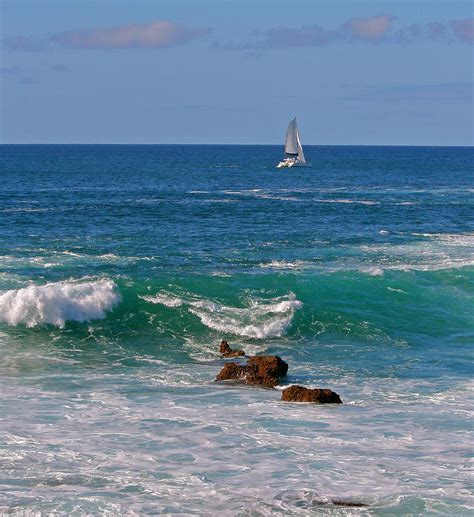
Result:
<point x="352" y="504"/>
<point x="265" y="370"/>
<point x="226" y="351"/>
<point x="301" y="394"/>
<point x="232" y="372"/>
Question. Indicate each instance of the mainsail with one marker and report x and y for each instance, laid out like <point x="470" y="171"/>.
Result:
<point x="292" y="142"/>
<point x="291" y="139"/>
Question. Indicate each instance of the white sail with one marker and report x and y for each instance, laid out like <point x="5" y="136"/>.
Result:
<point x="301" y="158"/>
<point x="291" y="139"/>
<point x="293" y="149"/>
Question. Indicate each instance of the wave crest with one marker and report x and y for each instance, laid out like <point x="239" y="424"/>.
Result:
<point x="56" y="303"/>
<point x="262" y="318"/>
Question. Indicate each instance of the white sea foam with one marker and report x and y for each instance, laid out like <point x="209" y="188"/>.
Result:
<point x="282" y="264"/>
<point x="452" y="239"/>
<point x="430" y="252"/>
<point x="109" y="256"/>
<point x="349" y="201"/>
<point x="25" y="209"/>
<point x="72" y="253"/>
<point x="396" y="290"/>
<point x="164" y="299"/>
<point x="56" y="303"/>
<point x="372" y="270"/>
<point x="260" y="319"/>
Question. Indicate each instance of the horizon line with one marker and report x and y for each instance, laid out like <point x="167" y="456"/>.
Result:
<point x="235" y="145"/>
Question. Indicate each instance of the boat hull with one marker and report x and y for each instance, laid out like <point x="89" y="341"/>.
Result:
<point x="290" y="163"/>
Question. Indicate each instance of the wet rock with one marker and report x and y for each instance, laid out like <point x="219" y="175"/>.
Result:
<point x="226" y="351"/>
<point x="351" y="504"/>
<point x="232" y="372"/>
<point x="301" y="394"/>
<point x="265" y="370"/>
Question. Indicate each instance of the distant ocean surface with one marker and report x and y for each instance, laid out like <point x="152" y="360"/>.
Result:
<point x="122" y="267"/>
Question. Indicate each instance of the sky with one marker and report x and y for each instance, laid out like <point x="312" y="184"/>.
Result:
<point x="368" y="72"/>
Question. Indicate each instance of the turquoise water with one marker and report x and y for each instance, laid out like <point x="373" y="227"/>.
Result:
<point x="122" y="267"/>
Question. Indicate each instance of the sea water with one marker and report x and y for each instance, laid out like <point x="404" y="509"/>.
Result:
<point x="122" y="268"/>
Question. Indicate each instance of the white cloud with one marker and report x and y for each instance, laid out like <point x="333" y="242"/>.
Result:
<point x="464" y="29"/>
<point x="371" y="29"/>
<point x="157" y="34"/>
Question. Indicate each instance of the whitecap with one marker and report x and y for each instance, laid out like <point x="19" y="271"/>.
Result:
<point x="56" y="303"/>
<point x="164" y="298"/>
<point x="349" y="201"/>
<point x="282" y="264"/>
<point x="26" y="209"/>
<point x="396" y="290"/>
<point x="260" y="319"/>
<point x="372" y="270"/>
<point x="109" y="256"/>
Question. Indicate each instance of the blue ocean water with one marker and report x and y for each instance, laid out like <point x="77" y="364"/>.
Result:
<point x="122" y="267"/>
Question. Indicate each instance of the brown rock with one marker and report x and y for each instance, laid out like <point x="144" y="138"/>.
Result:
<point x="301" y="394"/>
<point x="232" y="372"/>
<point x="226" y="351"/>
<point x="264" y="370"/>
<point x="353" y="504"/>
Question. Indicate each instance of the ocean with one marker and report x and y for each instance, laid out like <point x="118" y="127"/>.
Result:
<point x="123" y="266"/>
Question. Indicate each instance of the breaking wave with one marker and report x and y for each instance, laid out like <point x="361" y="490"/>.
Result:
<point x="56" y="303"/>
<point x="260" y="319"/>
<point x="283" y="264"/>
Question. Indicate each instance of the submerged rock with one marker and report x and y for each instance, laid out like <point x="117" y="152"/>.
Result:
<point x="352" y="504"/>
<point x="265" y="370"/>
<point x="226" y="351"/>
<point x="301" y="394"/>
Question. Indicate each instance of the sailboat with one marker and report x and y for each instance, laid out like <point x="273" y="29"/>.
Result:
<point x="293" y="149"/>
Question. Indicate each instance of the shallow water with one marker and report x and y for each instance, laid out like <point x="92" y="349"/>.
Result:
<point x="121" y="268"/>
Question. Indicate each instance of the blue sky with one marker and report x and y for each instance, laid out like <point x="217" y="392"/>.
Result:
<point x="236" y="71"/>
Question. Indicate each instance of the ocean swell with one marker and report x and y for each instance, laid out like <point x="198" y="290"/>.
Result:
<point x="56" y="303"/>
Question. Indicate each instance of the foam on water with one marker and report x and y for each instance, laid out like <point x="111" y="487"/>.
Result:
<point x="164" y="299"/>
<point x="260" y="319"/>
<point x="219" y="447"/>
<point x="348" y="201"/>
<point x="56" y="303"/>
<point x="283" y="264"/>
